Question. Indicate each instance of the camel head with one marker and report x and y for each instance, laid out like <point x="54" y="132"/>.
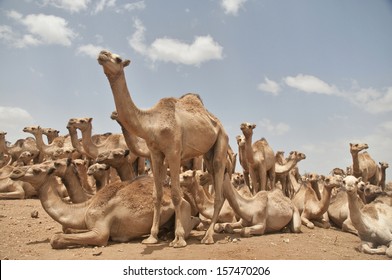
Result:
<point x="240" y="140"/>
<point x="112" y="64"/>
<point x="357" y="147"/>
<point x="331" y="182"/>
<point x="34" y="174"/>
<point x="50" y="132"/>
<point x="32" y="129"/>
<point x="247" y="129"/>
<point x="61" y="165"/>
<point x="370" y="191"/>
<point x="351" y="184"/>
<point x="114" y="116"/>
<point x="97" y="168"/>
<point x="238" y="179"/>
<point x="2" y="135"/>
<point x="297" y="155"/>
<point x="79" y="123"/>
<point x="383" y="165"/>
<point x="112" y="155"/>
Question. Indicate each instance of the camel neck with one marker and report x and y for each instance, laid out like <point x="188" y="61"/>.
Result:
<point x="286" y="167"/>
<point x="74" y="186"/>
<point x="40" y="142"/>
<point x="354" y="205"/>
<point x="202" y="201"/>
<point x="236" y="201"/>
<point x="88" y="144"/>
<point x="248" y="149"/>
<point x="129" y="114"/>
<point x="325" y="198"/>
<point x="75" y="141"/>
<point x="355" y="157"/>
<point x="68" y="215"/>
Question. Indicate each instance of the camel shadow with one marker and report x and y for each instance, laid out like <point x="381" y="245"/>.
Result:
<point x="38" y="242"/>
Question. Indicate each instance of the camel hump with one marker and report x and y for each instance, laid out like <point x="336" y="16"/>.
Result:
<point x="192" y="95"/>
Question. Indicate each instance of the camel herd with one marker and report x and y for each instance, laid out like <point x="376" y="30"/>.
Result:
<point x="172" y="167"/>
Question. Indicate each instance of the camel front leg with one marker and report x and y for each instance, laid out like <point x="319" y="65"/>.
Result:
<point x="367" y="248"/>
<point x="174" y="162"/>
<point x="305" y="221"/>
<point x="159" y="172"/>
<point x="94" y="237"/>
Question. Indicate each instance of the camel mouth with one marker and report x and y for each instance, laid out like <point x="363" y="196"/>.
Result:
<point x="103" y="56"/>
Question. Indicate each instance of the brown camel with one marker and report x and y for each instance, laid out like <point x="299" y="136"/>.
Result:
<point x="311" y="208"/>
<point x="121" y="211"/>
<point x="372" y="221"/>
<point x="242" y="158"/>
<point x="363" y="164"/>
<point x="174" y="129"/>
<point x="383" y="168"/>
<point x="261" y="160"/>
<point x="118" y="159"/>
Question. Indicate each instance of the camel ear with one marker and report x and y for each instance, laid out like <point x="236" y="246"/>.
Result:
<point x="253" y="126"/>
<point x="126" y="62"/>
<point x="126" y="152"/>
<point x="69" y="161"/>
<point x="89" y="120"/>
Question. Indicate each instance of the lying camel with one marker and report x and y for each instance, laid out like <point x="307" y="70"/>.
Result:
<point x="338" y="212"/>
<point x="311" y="208"/>
<point x="14" y="190"/>
<point x="265" y="212"/>
<point x="121" y="211"/>
<point x="373" y="221"/>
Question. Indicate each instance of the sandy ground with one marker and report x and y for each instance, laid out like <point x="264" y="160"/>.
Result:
<point x="26" y="238"/>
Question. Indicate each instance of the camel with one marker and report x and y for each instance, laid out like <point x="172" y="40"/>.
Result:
<point x="373" y="221"/>
<point x="51" y="134"/>
<point x="283" y="167"/>
<point x="26" y="158"/>
<point x="311" y="208"/>
<point x="57" y="149"/>
<point x="261" y="160"/>
<point x="113" y="141"/>
<point x="174" y="129"/>
<point x="82" y="170"/>
<point x="383" y="167"/>
<point x="205" y="205"/>
<point x="121" y="211"/>
<point x="242" y="158"/>
<point x="101" y="174"/>
<point x="118" y="159"/>
<point x="338" y="211"/>
<point x="265" y="212"/>
<point x="19" y="147"/>
<point x="363" y="164"/>
<point x="67" y="171"/>
<point x="14" y="190"/>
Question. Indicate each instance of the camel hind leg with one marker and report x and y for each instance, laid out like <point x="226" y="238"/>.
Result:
<point x="94" y="237"/>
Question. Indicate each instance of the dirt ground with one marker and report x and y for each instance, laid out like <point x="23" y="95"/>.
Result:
<point x="26" y="238"/>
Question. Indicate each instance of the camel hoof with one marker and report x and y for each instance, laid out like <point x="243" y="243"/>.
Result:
<point x="150" y="240"/>
<point x="245" y="232"/>
<point x="310" y="225"/>
<point x="178" y="243"/>
<point x="218" y="228"/>
<point x="207" y="240"/>
<point x="55" y="242"/>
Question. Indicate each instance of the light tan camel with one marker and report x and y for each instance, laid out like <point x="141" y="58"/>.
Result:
<point x="363" y="164"/>
<point x="101" y="174"/>
<point x="51" y="134"/>
<point x="87" y="181"/>
<point x="174" y="129"/>
<point x="373" y="221"/>
<point x="57" y="149"/>
<point x="26" y="158"/>
<point x="19" y="147"/>
<point x="121" y="211"/>
<point x="383" y="168"/>
<point x="67" y="171"/>
<point x="283" y="167"/>
<point x="14" y="190"/>
<point x="261" y="160"/>
<point x="242" y="158"/>
<point x="265" y="212"/>
<point x="338" y="211"/>
<point x="205" y="205"/>
<point x="119" y="160"/>
<point x="93" y="149"/>
<point x="311" y="208"/>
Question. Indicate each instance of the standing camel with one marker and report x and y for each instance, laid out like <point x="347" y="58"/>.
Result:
<point x="174" y="129"/>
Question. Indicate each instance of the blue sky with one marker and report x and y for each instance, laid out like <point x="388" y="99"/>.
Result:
<point x="312" y="75"/>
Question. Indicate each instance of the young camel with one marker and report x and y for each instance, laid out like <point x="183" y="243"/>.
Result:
<point x="265" y="212"/>
<point x="373" y="221"/>
<point x="174" y="129"/>
<point x="311" y="208"/>
<point x="260" y="158"/>
<point x="121" y="211"/>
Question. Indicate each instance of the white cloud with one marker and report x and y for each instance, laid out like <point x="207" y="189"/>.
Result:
<point x="13" y="120"/>
<point x="372" y="100"/>
<point x="89" y="50"/>
<point x="275" y="128"/>
<point x="269" y="86"/>
<point x="102" y="4"/>
<point x="140" y="5"/>
<point x="310" y="84"/>
<point x="202" y="49"/>
<point x="232" y="6"/>
<point x="41" y="29"/>
<point x="70" y="5"/>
